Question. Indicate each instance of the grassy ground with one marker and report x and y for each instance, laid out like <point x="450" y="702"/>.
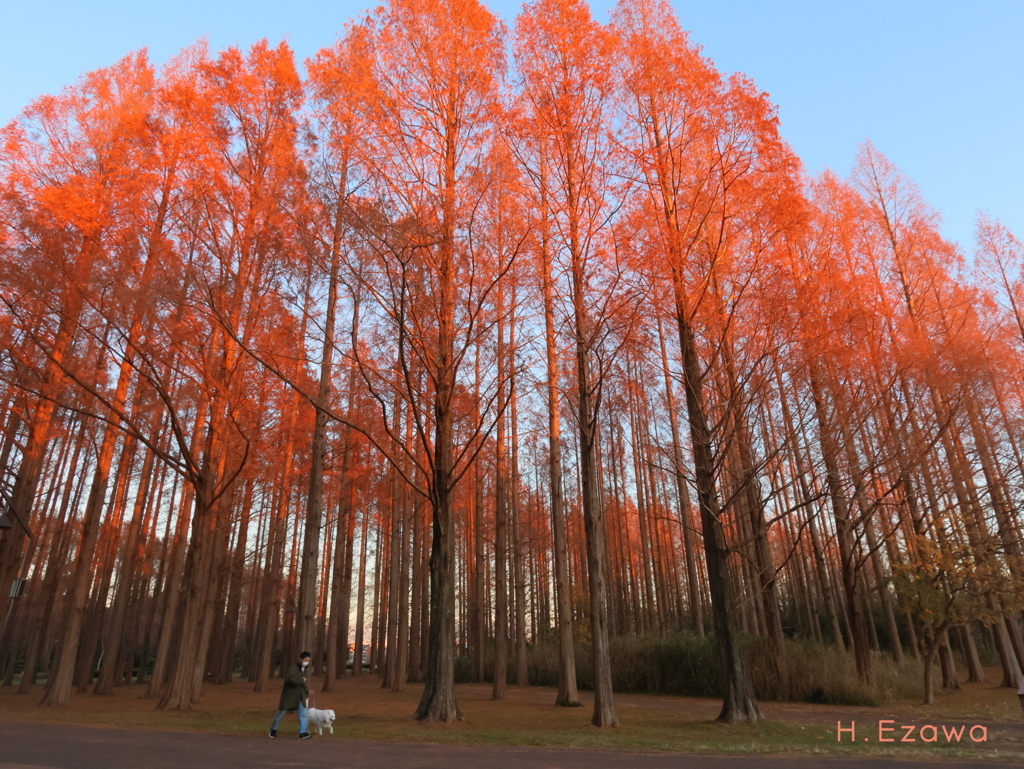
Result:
<point x="527" y="717"/>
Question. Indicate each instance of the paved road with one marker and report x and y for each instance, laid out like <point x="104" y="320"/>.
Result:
<point x="57" y="746"/>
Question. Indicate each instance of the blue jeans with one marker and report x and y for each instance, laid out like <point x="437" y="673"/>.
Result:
<point x="280" y="714"/>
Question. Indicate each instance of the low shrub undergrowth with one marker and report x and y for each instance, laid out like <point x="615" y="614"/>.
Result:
<point x="687" y="665"/>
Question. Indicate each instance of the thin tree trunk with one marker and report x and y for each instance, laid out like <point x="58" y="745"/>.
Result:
<point x="357" y="647"/>
<point x="63" y="531"/>
<point x="306" y="610"/>
<point x="499" y="681"/>
<point x="126" y="581"/>
<point x="593" y="520"/>
<point x="58" y="690"/>
<point x="518" y="546"/>
<point x="829" y="451"/>
<point x="683" y="495"/>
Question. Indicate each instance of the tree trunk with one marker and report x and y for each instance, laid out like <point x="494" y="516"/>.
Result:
<point x="60" y="541"/>
<point x="401" y="669"/>
<point x="306" y="610"/>
<point x="58" y="690"/>
<point x="739" y="703"/>
<point x="23" y="494"/>
<point x="126" y="580"/>
<point x="477" y="620"/>
<point x="567" y="696"/>
<point x="394" y="565"/>
<point x="929" y="686"/>
<point x="518" y="546"/>
<point x="181" y="692"/>
<point x="438" y="701"/>
<point x="224" y="668"/>
<point x="416" y="607"/>
<point x="593" y="522"/>
<point x="500" y="678"/>
<point x="844" y="536"/>
<point x="683" y="495"/>
<point x="357" y="653"/>
<point x="950" y="680"/>
<point x="975" y="672"/>
<point x="169" y="622"/>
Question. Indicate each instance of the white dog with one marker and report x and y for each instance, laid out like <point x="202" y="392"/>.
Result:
<point x="318" y="719"/>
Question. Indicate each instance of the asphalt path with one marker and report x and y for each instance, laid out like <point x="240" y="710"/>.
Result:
<point x="58" y="746"/>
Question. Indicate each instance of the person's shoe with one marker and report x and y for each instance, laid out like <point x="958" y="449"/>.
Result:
<point x="272" y="733"/>
<point x="305" y="736"/>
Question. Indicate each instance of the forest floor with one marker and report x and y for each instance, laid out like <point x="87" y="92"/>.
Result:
<point x="526" y="717"/>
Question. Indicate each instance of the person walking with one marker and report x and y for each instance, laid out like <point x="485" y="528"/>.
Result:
<point x="293" y="697"/>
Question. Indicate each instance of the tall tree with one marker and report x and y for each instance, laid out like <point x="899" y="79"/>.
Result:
<point x="563" y="58"/>
<point x="424" y="98"/>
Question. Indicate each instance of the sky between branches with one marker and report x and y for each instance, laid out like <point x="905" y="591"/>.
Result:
<point x="937" y="85"/>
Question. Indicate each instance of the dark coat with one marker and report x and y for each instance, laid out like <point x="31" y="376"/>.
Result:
<point x="295" y="689"/>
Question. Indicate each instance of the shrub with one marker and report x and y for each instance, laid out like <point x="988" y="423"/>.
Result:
<point x="687" y="665"/>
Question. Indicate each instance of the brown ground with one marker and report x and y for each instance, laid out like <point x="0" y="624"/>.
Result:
<point x="527" y="718"/>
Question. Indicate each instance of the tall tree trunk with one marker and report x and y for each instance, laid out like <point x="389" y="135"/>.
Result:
<point x="59" y="688"/>
<point x="224" y="669"/>
<point x="438" y="701"/>
<point x="126" y="581"/>
<point x="683" y="495"/>
<point x="417" y="602"/>
<point x="306" y="610"/>
<point x="739" y="703"/>
<point x="844" y="534"/>
<point x="60" y="541"/>
<point x="182" y="691"/>
<point x="357" y="652"/>
<point x="393" y="568"/>
<point x="401" y="669"/>
<point x="33" y="455"/>
<point x="170" y="595"/>
<point x="500" y="680"/>
<point x="975" y="672"/>
<point x="567" y="696"/>
<point x="518" y="546"/>
<point x="821" y="570"/>
<point x="593" y="514"/>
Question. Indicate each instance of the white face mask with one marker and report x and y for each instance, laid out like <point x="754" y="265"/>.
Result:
<point x="305" y="663"/>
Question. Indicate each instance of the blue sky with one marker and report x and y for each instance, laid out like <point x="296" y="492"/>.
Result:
<point x="936" y="85"/>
